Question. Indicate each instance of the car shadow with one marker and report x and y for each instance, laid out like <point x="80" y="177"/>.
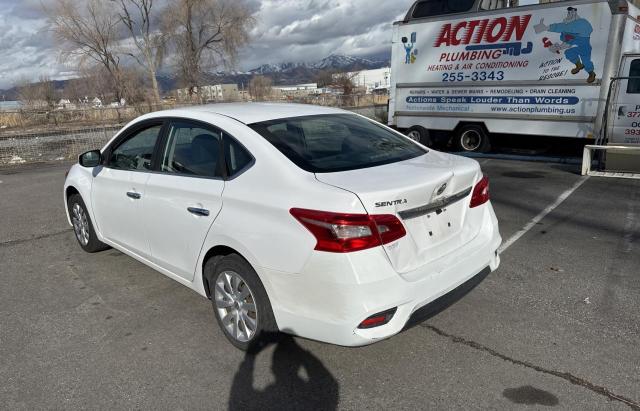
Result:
<point x="301" y="380"/>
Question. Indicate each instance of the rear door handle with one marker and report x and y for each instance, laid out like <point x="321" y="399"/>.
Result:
<point x="198" y="211"/>
<point x="135" y="196"/>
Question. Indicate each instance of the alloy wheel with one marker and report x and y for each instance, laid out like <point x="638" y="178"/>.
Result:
<point x="236" y="306"/>
<point x="80" y="224"/>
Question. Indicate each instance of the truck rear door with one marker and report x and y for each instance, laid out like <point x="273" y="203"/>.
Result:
<point x="626" y="104"/>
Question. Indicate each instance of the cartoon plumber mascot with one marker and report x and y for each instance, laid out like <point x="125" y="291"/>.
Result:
<point x="575" y="35"/>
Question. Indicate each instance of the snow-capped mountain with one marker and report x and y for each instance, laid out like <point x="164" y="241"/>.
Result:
<point x="284" y="73"/>
<point x="336" y="61"/>
<point x="332" y="62"/>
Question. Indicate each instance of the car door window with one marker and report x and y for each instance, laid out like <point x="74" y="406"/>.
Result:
<point x="633" y="84"/>
<point x="236" y="155"/>
<point x="192" y="150"/>
<point x="135" y="152"/>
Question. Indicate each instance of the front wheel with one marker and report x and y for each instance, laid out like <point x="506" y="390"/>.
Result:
<point x="240" y="302"/>
<point x="82" y="225"/>
<point x="472" y="139"/>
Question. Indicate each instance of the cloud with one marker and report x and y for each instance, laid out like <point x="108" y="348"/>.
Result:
<point x="285" y="31"/>
<point x="27" y="49"/>
<point x="307" y="30"/>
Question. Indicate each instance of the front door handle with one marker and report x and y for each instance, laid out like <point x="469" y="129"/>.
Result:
<point x="198" y="211"/>
<point x="135" y="196"/>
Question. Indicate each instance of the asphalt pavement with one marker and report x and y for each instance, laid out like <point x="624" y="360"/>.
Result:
<point x="557" y="325"/>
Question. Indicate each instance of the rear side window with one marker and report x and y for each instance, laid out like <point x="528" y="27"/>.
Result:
<point x="431" y="8"/>
<point x="237" y="156"/>
<point x="331" y="143"/>
<point x="192" y="150"/>
<point x="633" y="84"/>
<point x="136" y="151"/>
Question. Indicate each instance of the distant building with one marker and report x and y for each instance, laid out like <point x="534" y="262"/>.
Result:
<point x="211" y="94"/>
<point x="380" y="91"/>
<point x="96" y="102"/>
<point x="65" y="104"/>
<point x="370" y="80"/>
<point x="297" y="90"/>
<point x="117" y="104"/>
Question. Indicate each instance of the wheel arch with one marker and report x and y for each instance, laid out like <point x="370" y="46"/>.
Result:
<point x="218" y="252"/>
<point x="68" y="192"/>
<point x="221" y="250"/>
<point x="471" y="123"/>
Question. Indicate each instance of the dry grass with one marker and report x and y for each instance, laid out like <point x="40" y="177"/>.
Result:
<point x="33" y="118"/>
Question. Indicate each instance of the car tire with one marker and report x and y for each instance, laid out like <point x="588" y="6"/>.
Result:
<point x="240" y="303"/>
<point x="419" y="134"/>
<point x="83" y="226"/>
<point x="472" y="139"/>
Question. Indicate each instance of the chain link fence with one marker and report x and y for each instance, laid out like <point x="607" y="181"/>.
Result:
<point x="52" y="146"/>
<point x="34" y="118"/>
<point x="64" y="142"/>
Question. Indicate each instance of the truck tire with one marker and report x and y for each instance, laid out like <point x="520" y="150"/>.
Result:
<point x="472" y="139"/>
<point x="419" y="134"/>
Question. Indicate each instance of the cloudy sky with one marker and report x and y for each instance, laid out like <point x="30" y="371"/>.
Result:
<point x="286" y="30"/>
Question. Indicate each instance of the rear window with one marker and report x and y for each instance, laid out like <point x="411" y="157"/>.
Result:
<point x="330" y="143"/>
<point x="431" y="8"/>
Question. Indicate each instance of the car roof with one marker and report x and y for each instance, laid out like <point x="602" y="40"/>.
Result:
<point x="249" y="113"/>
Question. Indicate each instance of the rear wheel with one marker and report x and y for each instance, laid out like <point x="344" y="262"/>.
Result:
<point x="240" y="302"/>
<point x="472" y="139"/>
<point x="419" y="134"/>
<point x="82" y="225"/>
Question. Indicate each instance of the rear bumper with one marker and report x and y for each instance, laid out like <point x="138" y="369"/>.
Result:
<point x="335" y="292"/>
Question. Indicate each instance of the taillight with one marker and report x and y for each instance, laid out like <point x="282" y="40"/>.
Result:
<point x="344" y="233"/>
<point x="480" y="192"/>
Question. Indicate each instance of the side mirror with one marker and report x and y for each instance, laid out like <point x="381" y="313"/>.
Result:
<point x="90" y="159"/>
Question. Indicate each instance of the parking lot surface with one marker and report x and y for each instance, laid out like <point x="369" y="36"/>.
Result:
<point x="557" y="325"/>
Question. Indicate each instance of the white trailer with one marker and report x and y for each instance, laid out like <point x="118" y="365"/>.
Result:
<point x="466" y="69"/>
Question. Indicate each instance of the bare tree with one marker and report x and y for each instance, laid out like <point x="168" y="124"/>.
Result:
<point x="345" y="83"/>
<point x="207" y="33"/>
<point x="95" y="81"/>
<point x="80" y="89"/>
<point x="48" y="91"/>
<point x="41" y="94"/>
<point x="133" y="77"/>
<point x="260" y="87"/>
<point x="88" y="30"/>
<point x="324" y="78"/>
<point x="137" y="17"/>
<point x="28" y="93"/>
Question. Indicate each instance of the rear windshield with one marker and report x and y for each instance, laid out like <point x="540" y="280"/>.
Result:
<point x="338" y="142"/>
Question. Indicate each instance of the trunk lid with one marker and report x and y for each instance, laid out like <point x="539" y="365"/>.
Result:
<point x="430" y="194"/>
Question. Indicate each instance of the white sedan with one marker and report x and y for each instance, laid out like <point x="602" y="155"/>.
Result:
<point x="309" y="220"/>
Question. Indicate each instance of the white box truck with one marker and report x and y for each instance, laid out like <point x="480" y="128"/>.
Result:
<point x="468" y="69"/>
